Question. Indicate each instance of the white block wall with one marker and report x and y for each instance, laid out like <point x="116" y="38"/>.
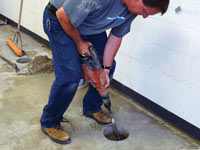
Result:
<point x="31" y="14"/>
<point x="159" y="58"/>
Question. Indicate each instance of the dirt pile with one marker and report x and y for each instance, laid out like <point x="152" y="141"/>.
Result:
<point x="40" y="64"/>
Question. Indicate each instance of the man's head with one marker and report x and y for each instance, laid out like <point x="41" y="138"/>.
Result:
<point x="146" y="7"/>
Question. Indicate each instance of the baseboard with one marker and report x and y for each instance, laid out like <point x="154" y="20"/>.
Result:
<point x="159" y="111"/>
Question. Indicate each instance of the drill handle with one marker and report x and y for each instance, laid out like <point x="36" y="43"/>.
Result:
<point x="97" y="63"/>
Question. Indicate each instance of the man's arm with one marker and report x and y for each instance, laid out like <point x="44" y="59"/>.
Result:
<point x="72" y="32"/>
<point x="111" y="48"/>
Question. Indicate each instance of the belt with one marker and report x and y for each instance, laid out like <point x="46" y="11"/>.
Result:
<point x="51" y="9"/>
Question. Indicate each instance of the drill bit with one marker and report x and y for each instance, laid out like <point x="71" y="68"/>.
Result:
<point x="114" y="126"/>
<point x="107" y="103"/>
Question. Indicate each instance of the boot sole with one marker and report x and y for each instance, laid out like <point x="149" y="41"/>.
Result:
<point x="92" y="117"/>
<point x="54" y="140"/>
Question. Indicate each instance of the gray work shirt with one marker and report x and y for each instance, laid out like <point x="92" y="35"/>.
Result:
<point x="96" y="16"/>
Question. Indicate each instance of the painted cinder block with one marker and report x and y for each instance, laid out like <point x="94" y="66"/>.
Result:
<point x="164" y="34"/>
<point x="138" y="48"/>
<point x="140" y="88"/>
<point x="167" y="92"/>
<point x="169" y="62"/>
<point x="196" y="46"/>
<point x="133" y="70"/>
<point x="167" y="88"/>
<point x="179" y="19"/>
<point x="194" y="72"/>
<point x="12" y="6"/>
<point x="192" y="104"/>
<point x="120" y="77"/>
<point x="192" y="99"/>
<point x="36" y="26"/>
<point x="193" y="118"/>
<point x="174" y="108"/>
<point x="122" y="63"/>
<point x="155" y="85"/>
<point x="34" y="6"/>
<point x="174" y="91"/>
<point x="137" y="77"/>
<point x="171" y="42"/>
<point x="188" y="17"/>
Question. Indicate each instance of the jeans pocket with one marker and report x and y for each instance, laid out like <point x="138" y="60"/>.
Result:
<point x="48" y="24"/>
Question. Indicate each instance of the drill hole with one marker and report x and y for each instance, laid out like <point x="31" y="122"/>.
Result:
<point x="24" y="60"/>
<point x="110" y="134"/>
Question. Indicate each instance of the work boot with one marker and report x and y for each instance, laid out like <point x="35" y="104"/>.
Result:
<point x="57" y="135"/>
<point x="100" y="117"/>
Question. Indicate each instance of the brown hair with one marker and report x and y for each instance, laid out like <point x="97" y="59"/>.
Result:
<point x="160" y="4"/>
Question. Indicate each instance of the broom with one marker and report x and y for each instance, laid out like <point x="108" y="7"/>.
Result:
<point x="13" y="43"/>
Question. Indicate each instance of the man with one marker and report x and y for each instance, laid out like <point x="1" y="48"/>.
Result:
<point x="72" y="26"/>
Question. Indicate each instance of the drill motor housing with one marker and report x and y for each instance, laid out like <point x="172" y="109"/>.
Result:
<point x="93" y="72"/>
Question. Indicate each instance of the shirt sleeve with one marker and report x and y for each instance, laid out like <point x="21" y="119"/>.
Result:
<point x="123" y="28"/>
<point x="78" y="10"/>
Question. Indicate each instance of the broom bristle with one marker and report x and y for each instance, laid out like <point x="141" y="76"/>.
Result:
<point x="14" y="48"/>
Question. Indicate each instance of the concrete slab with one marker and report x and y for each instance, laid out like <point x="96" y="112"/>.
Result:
<point x="22" y="99"/>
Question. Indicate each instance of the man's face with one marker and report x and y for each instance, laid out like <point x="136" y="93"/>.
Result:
<point x="137" y="7"/>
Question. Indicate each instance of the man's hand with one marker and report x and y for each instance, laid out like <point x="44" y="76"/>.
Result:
<point x="107" y="71"/>
<point x="83" y="48"/>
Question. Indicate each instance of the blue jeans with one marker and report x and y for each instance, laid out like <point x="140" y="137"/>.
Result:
<point x="67" y="69"/>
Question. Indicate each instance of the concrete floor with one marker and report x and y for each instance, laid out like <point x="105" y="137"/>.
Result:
<point x="22" y="99"/>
